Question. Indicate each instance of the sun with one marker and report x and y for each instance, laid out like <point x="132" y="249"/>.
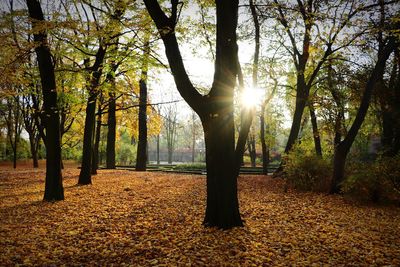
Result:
<point x="250" y="97"/>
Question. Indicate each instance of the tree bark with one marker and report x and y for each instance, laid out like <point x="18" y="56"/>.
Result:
<point x="316" y="136"/>
<point x="111" y="133"/>
<point x="33" y="142"/>
<point x="264" y="148"/>
<point x="95" y="164"/>
<point x="88" y="135"/>
<point x="141" y="157"/>
<point x="222" y="208"/>
<point x="53" y="185"/>
<point x="158" y="149"/>
<point x="251" y="145"/>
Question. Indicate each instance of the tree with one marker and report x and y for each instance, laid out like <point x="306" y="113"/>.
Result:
<point x="170" y="124"/>
<point x="386" y="47"/>
<point x="111" y="120"/>
<point x="95" y="73"/>
<point x="215" y="109"/>
<point x="31" y="128"/>
<point x="317" y="44"/>
<point x="53" y="185"/>
<point x="141" y="157"/>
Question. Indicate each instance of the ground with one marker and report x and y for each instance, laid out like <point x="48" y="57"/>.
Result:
<point x="144" y="218"/>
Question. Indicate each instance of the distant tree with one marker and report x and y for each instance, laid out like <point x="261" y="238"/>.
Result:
<point x="31" y="127"/>
<point x="170" y="126"/>
<point x="53" y="186"/>
<point x="14" y="124"/>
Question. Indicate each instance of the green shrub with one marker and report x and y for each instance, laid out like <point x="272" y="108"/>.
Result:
<point x="191" y="166"/>
<point x="373" y="181"/>
<point x="304" y="170"/>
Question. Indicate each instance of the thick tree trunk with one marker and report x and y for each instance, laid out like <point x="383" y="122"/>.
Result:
<point x="316" y="136"/>
<point x="222" y="203"/>
<point x="53" y="185"/>
<point x="141" y="156"/>
<point x="339" y="162"/>
<point x="111" y="124"/>
<point x="87" y="153"/>
<point x="301" y="100"/>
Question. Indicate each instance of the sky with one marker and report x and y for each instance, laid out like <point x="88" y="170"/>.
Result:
<point x="201" y="71"/>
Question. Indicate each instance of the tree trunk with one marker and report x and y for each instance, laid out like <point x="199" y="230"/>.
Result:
<point x="86" y="168"/>
<point x="34" y="151"/>
<point x="15" y="154"/>
<point x="251" y="144"/>
<point x="141" y="156"/>
<point x="111" y="124"/>
<point x="264" y="148"/>
<point x="89" y="131"/>
<point x="158" y="149"/>
<point x="339" y="162"/>
<point x="53" y="185"/>
<point x="95" y="163"/>
<point x="222" y="203"/>
<point x="301" y="100"/>
<point x="317" y="139"/>
<point x="214" y="109"/>
<point x="170" y="155"/>
<point x="193" y="145"/>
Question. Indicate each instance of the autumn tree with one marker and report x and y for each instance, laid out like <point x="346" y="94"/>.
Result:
<point x="141" y="157"/>
<point x="95" y="72"/>
<point x="53" y="185"/>
<point x="386" y="46"/>
<point x="315" y="31"/>
<point x="215" y="109"/>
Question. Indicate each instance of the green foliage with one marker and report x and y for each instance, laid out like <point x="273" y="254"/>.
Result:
<point x="125" y="151"/>
<point x="191" y="166"/>
<point x="304" y="170"/>
<point x="375" y="181"/>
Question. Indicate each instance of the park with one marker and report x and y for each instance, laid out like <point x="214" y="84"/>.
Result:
<point x="199" y="133"/>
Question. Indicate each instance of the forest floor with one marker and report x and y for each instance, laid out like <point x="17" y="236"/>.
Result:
<point x="154" y="219"/>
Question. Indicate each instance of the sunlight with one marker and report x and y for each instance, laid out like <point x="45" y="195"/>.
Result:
<point x="251" y="97"/>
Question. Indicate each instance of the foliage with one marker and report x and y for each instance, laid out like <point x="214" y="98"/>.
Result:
<point x="375" y="181"/>
<point x="125" y="151"/>
<point x="154" y="219"/>
<point x="304" y="170"/>
<point x="191" y="166"/>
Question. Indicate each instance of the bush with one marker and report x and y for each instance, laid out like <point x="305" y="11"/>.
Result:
<point x="304" y="170"/>
<point x="191" y="166"/>
<point x="373" y="181"/>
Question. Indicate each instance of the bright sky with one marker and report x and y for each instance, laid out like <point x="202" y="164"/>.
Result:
<point x="201" y="72"/>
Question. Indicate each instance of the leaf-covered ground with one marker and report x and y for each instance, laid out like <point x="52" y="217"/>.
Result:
<point x="150" y="219"/>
